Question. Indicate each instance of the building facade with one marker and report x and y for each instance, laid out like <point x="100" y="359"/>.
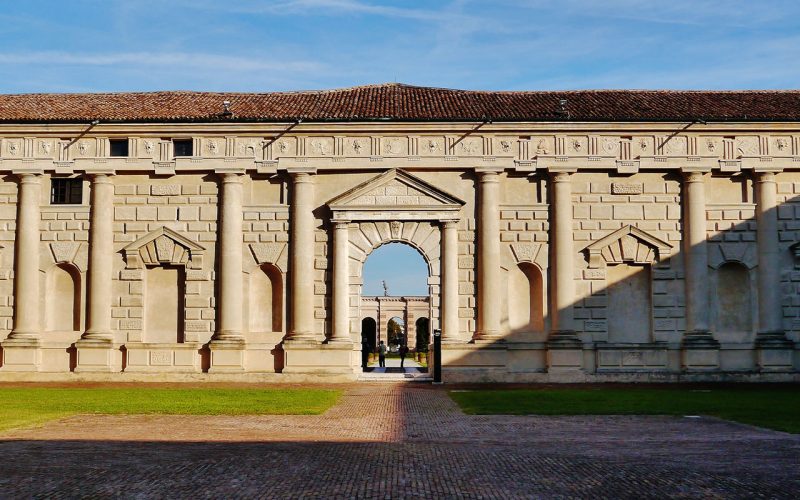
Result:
<point x="607" y="235"/>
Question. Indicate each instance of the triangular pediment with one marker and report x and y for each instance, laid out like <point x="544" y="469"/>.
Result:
<point x="162" y="246"/>
<point x="627" y="245"/>
<point x="395" y="189"/>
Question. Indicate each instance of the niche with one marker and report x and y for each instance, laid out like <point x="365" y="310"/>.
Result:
<point x="629" y="305"/>
<point x="266" y="299"/>
<point x="164" y="294"/>
<point x="525" y="298"/>
<point x="733" y="311"/>
<point x="63" y="298"/>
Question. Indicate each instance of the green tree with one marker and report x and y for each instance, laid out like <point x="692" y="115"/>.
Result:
<point x="394" y="332"/>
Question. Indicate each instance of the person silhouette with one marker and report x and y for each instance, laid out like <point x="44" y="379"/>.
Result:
<point x="382" y="355"/>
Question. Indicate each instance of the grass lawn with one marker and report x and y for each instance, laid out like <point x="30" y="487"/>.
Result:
<point x="775" y="407"/>
<point x="30" y="406"/>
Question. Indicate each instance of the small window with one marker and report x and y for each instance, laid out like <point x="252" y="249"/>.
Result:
<point x="183" y="147"/>
<point x="119" y="147"/>
<point x="66" y="191"/>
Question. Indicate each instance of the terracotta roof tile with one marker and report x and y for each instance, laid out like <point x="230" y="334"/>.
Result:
<point x="405" y="103"/>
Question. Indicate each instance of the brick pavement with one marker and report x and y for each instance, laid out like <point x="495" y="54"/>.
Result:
<point x="398" y="441"/>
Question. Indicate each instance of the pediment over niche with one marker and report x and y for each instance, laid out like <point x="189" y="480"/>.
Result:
<point x="163" y="246"/>
<point x="627" y="245"/>
<point x="396" y="192"/>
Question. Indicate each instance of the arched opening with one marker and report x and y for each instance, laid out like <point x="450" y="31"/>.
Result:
<point x="164" y="303"/>
<point x="629" y="303"/>
<point x="423" y="333"/>
<point x="63" y="298"/>
<point x="396" y="292"/>
<point x="733" y="311"/>
<point x="266" y="299"/>
<point x="369" y="332"/>
<point x="400" y="266"/>
<point x="526" y="298"/>
<point x="396" y="333"/>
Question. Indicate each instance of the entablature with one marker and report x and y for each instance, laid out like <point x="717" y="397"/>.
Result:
<point x="233" y="147"/>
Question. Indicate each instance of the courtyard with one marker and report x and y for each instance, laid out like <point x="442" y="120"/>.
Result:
<point x="381" y="440"/>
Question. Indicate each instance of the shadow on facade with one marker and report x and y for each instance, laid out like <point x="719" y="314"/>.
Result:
<point x="643" y="308"/>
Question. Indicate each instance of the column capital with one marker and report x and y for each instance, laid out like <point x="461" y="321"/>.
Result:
<point x="298" y="173"/>
<point x="694" y="176"/>
<point x="341" y="224"/>
<point x="560" y="176"/>
<point x="100" y="178"/>
<point x="231" y="177"/>
<point x="29" y="177"/>
<point x="488" y="175"/>
<point x="762" y="177"/>
<point x="449" y="224"/>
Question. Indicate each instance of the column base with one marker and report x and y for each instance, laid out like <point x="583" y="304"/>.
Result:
<point x="564" y="339"/>
<point x="487" y="337"/>
<point x="94" y="355"/>
<point x="774" y="352"/>
<point x="227" y="355"/>
<point x="699" y="339"/>
<point x="700" y="351"/>
<point x="315" y="357"/>
<point x="21" y="354"/>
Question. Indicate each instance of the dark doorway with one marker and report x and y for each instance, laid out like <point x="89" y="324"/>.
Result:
<point x="369" y="332"/>
<point x="423" y="334"/>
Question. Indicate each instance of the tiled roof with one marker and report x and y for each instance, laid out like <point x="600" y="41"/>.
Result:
<point x="405" y="103"/>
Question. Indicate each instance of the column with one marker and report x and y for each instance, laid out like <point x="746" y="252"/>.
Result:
<point x="450" y="331"/>
<point x="301" y="245"/>
<point x="488" y="256"/>
<point x="101" y="263"/>
<point x="26" y="261"/>
<point x="562" y="328"/>
<point x="770" y="310"/>
<point x="341" y="283"/>
<point x="696" y="260"/>
<point x="229" y="306"/>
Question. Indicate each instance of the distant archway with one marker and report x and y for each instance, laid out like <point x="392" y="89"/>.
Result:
<point x="423" y="333"/>
<point x="369" y="331"/>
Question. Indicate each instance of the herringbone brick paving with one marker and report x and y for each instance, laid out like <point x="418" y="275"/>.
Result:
<point x="398" y="441"/>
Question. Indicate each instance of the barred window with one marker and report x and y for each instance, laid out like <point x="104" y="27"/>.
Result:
<point x="66" y="191"/>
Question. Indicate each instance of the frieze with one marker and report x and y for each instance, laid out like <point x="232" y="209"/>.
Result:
<point x="528" y="152"/>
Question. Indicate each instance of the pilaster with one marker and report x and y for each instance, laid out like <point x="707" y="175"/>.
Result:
<point x="449" y="292"/>
<point x="564" y="347"/>
<point x="488" y="256"/>
<point x="700" y="349"/>
<point x="341" y="285"/>
<point x="20" y="349"/>
<point x="96" y="350"/>
<point x="227" y="345"/>
<point x="774" y="349"/>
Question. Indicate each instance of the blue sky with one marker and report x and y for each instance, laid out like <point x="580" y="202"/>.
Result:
<point x="262" y="45"/>
<point x="258" y="45"/>
<point x="402" y="267"/>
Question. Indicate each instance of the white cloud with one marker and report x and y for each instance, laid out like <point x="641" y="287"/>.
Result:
<point x="171" y="59"/>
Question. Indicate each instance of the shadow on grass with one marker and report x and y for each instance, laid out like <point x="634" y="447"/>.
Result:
<point x="772" y="406"/>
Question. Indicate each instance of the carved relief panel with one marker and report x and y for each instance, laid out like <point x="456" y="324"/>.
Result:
<point x="431" y="146"/>
<point x="213" y="147"/>
<point x="357" y="146"/>
<point x="394" y="146"/>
